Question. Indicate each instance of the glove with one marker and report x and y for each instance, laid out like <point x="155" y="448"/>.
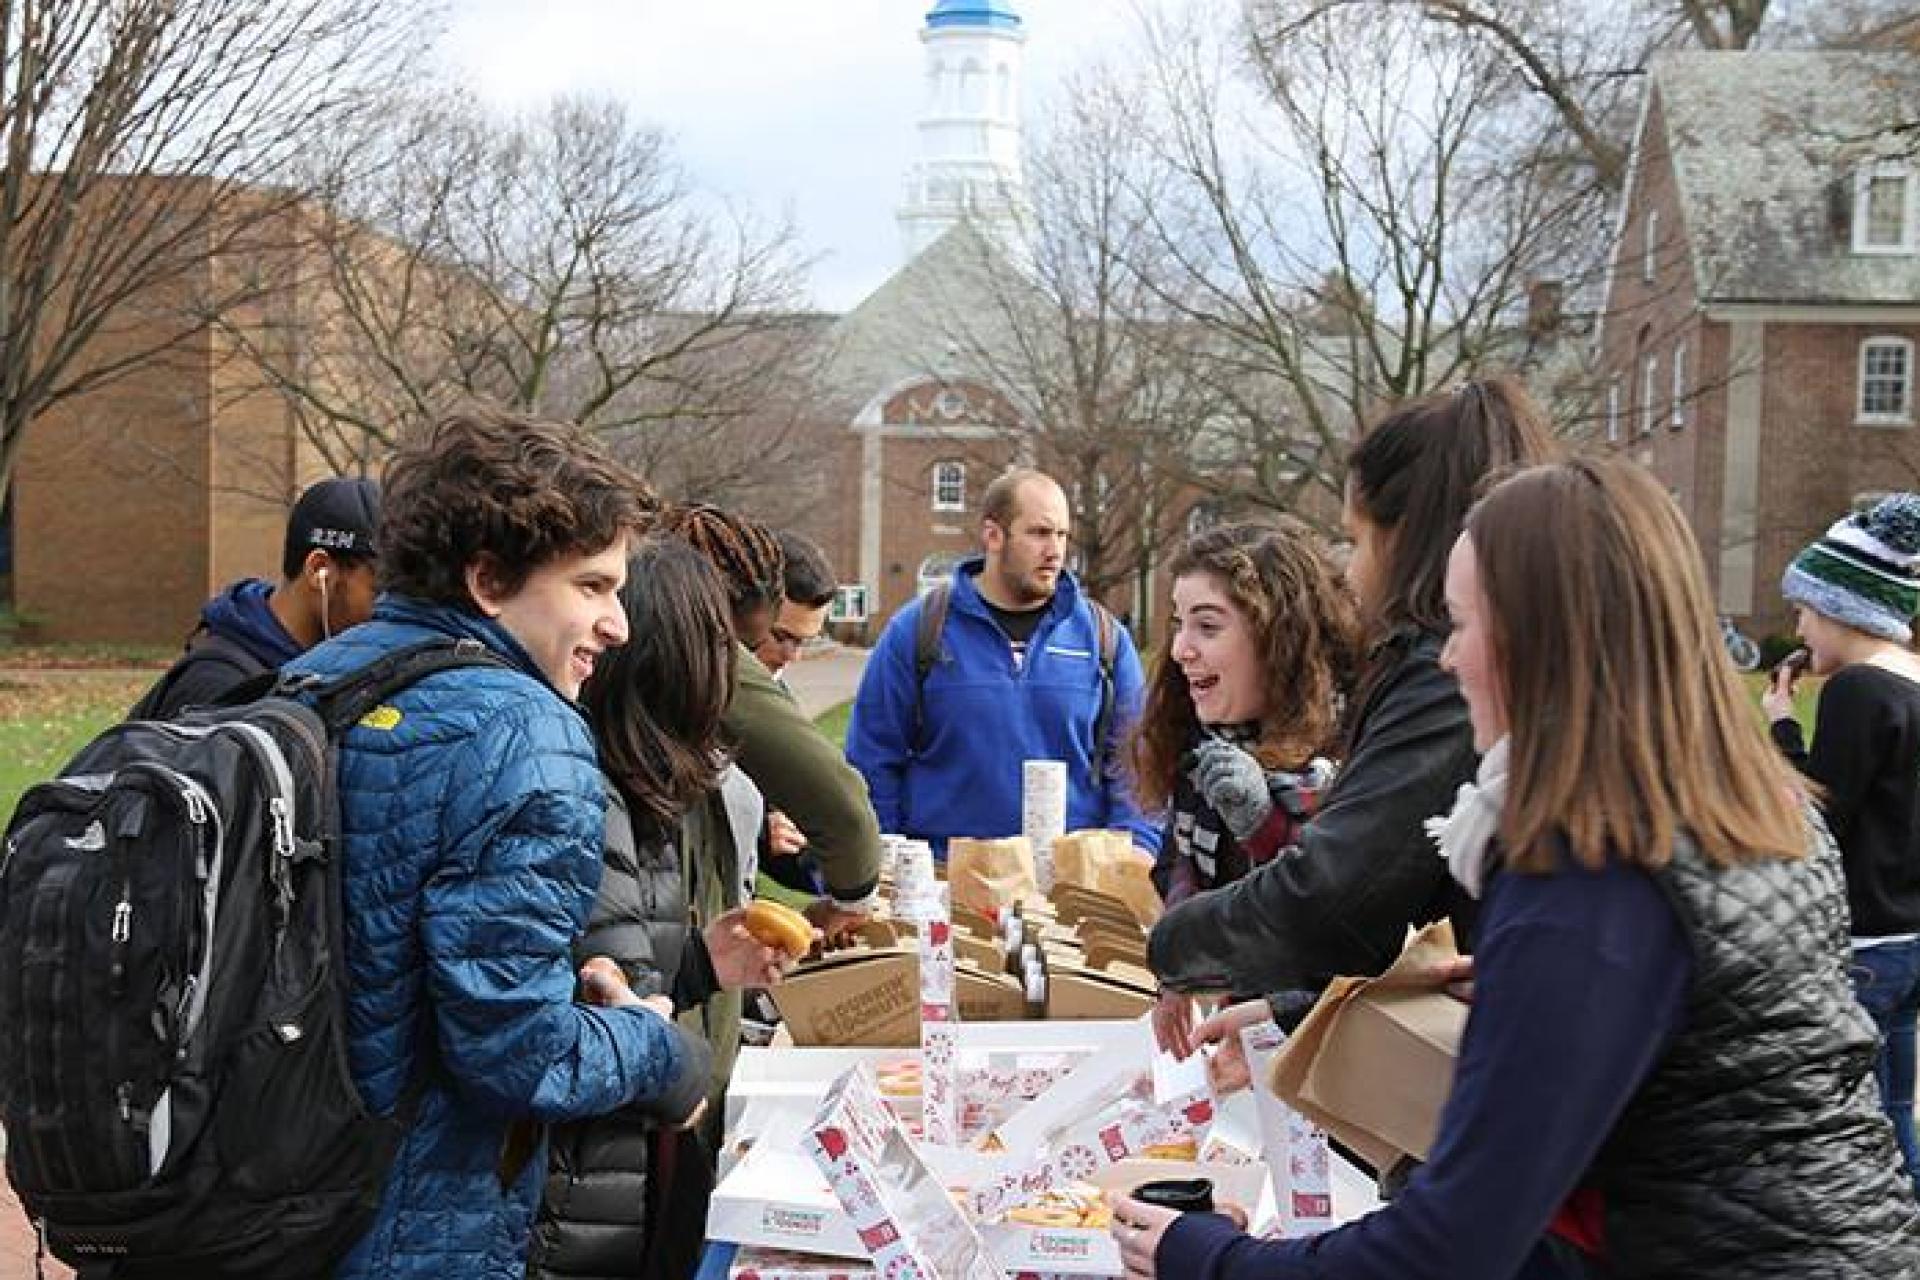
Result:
<point x="1234" y="786"/>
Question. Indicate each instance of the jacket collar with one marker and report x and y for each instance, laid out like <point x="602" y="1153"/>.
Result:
<point x="967" y="597"/>
<point x="461" y="624"/>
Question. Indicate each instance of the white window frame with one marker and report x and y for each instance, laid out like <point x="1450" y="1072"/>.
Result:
<point x="1678" y="418"/>
<point x="1613" y="409"/>
<point x="1909" y="213"/>
<point x="1650" y="246"/>
<point x="949" y="485"/>
<point x="849" y="603"/>
<point x="1903" y="417"/>
<point x="1649" y="385"/>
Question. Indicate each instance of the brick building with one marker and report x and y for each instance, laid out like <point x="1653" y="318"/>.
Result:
<point x="1757" y="343"/>
<point x="135" y="501"/>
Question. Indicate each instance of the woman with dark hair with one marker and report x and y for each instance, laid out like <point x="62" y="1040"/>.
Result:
<point x="1241" y="709"/>
<point x="1662" y="1032"/>
<point x="1364" y="869"/>
<point x="655" y="705"/>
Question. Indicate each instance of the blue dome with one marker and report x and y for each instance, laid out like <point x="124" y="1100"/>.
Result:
<point x="974" y="13"/>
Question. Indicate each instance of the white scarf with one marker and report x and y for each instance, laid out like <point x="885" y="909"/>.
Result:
<point x="1464" y="834"/>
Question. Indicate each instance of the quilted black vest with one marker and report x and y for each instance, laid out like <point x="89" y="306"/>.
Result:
<point x="1757" y="1148"/>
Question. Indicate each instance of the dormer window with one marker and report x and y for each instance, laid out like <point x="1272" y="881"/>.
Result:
<point x="1884" y="213"/>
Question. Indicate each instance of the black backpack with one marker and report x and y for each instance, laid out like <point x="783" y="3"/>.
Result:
<point x="926" y="654"/>
<point x="173" y="1059"/>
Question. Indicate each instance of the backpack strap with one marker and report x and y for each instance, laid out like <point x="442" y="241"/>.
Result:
<point x="344" y="700"/>
<point x="1107" y="627"/>
<point x="931" y="621"/>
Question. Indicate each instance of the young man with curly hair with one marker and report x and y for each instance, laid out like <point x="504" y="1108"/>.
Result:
<point x="472" y="812"/>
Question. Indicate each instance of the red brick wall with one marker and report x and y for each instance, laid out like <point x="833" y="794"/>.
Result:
<point x="1817" y="459"/>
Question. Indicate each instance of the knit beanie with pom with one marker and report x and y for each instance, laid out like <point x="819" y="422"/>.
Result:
<point x="1865" y="573"/>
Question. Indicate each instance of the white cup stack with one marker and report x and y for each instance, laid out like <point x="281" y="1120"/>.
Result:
<point x="1043" y="812"/>
<point x="916" y="892"/>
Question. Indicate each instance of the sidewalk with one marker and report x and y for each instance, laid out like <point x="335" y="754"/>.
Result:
<point x="820" y="681"/>
<point x="827" y="678"/>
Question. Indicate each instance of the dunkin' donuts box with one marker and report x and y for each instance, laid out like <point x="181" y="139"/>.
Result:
<point x="900" y="1211"/>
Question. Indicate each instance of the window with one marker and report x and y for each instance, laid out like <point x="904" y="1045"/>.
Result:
<point x="849" y="603"/>
<point x="949" y="486"/>
<point x="1883" y="210"/>
<point x="1649" y="385"/>
<point x="1613" y="409"/>
<point x="1886" y="380"/>
<point x="1652" y="244"/>
<point x="1679" y="417"/>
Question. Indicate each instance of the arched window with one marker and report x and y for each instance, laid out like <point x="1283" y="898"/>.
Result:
<point x="949" y="486"/>
<point x="934" y="570"/>
<point x="1886" y="381"/>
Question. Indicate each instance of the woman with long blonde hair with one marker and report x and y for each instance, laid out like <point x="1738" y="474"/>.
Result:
<point x="1664" y="1061"/>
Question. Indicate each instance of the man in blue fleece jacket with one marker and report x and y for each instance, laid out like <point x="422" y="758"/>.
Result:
<point x="1018" y="678"/>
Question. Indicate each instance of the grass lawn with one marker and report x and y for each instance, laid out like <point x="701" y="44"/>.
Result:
<point x="44" y="720"/>
<point x="833" y="723"/>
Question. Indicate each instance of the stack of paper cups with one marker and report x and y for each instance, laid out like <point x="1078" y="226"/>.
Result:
<point x="915" y="890"/>
<point x="1043" y="812"/>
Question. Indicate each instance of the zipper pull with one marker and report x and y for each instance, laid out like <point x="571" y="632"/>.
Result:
<point x="196" y="807"/>
<point x="123" y="920"/>
<point x="282" y="817"/>
<point x="123" y="1094"/>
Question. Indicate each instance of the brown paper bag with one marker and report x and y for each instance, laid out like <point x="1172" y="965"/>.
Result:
<point x="1107" y="862"/>
<point x="1373" y="1062"/>
<point x="988" y="875"/>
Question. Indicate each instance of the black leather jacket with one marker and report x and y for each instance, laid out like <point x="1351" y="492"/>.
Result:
<point x="1365" y="868"/>
<point x="592" y="1220"/>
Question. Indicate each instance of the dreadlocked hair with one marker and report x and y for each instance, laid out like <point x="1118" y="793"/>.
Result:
<point x="746" y="554"/>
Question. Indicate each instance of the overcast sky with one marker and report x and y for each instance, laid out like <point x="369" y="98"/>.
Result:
<point x="781" y="105"/>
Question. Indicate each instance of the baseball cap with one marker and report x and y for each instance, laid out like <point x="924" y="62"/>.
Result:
<point x="337" y="516"/>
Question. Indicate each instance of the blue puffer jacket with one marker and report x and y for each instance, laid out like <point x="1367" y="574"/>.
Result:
<point x="472" y="812"/>
<point x="959" y="774"/>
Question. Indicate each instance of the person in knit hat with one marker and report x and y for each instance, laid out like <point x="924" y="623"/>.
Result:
<point x="1856" y="591"/>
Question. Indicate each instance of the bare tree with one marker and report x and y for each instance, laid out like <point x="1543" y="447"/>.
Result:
<point x="1584" y="58"/>
<point x="145" y="139"/>
<point x="1087" y="361"/>
<point x="557" y="263"/>
<point x="1354" y="217"/>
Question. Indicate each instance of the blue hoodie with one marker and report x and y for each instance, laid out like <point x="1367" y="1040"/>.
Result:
<point x="960" y="775"/>
<point x="240" y="613"/>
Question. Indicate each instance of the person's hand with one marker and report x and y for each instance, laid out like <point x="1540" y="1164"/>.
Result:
<point x="1173" y="1024"/>
<point x="739" y="959"/>
<point x="1227" y="1069"/>
<point x="1138" y="1228"/>
<point x="1234" y="786"/>
<point x="1456" y="975"/>
<point x="1777" y="701"/>
<point x="834" y="920"/>
<point x="661" y="1005"/>
<point x="602" y="983"/>
<point x="784" y="840"/>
